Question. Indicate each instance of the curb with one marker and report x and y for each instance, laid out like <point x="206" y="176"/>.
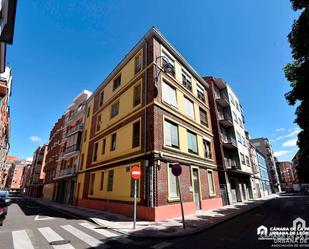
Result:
<point x="197" y="230"/>
<point x="129" y="234"/>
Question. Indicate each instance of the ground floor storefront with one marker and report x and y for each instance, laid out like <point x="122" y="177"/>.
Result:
<point x="64" y="190"/>
<point x="111" y="189"/>
<point x="35" y="190"/>
<point x="235" y="187"/>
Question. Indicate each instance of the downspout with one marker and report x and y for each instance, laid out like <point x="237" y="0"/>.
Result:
<point x="148" y="165"/>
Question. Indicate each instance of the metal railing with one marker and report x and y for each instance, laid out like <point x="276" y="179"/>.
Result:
<point x="230" y="163"/>
<point x="73" y="130"/>
<point x="229" y="139"/>
<point x="70" y="149"/>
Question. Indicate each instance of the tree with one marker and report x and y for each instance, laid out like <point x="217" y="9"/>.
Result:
<point x="297" y="74"/>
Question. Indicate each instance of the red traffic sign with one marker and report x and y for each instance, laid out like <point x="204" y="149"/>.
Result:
<point x="136" y="172"/>
<point x="176" y="169"/>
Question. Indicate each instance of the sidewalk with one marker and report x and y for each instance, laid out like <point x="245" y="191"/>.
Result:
<point x="170" y="228"/>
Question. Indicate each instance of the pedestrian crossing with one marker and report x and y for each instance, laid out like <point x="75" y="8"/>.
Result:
<point x="60" y="237"/>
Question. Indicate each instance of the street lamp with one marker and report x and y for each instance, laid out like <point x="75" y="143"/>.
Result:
<point x="167" y="68"/>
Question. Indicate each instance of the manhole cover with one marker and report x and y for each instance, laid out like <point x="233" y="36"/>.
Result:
<point x="59" y="242"/>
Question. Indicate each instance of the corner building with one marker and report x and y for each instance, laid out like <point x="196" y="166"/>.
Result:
<point x="144" y="115"/>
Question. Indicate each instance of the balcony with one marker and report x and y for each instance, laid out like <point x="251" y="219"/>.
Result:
<point x="229" y="142"/>
<point x="75" y="113"/>
<point x="225" y="119"/>
<point x="73" y="130"/>
<point x="71" y="149"/>
<point x="65" y="172"/>
<point x="231" y="163"/>
<point x="222" y="99"/>
<point x="3" y="87"/>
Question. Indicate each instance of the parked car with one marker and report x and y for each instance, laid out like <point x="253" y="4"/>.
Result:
<point x="4" y="203"/>
<point x="4" y="194"/>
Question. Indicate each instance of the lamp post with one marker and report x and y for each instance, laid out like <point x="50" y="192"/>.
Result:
<point x="167" y="68"/>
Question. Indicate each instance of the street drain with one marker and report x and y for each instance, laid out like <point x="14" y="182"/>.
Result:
<point x="59" y="242"/>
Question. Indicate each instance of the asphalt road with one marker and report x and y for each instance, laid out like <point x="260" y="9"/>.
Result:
<point x="33" y="226"/>
<point x="30" y="225"/>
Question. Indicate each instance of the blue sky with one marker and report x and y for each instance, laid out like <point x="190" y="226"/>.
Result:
<point x="63" y="47"/>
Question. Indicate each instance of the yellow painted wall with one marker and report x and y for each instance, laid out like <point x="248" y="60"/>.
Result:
<point x="80" y="179"/>
<point x="127" y="74"/>
<point x="121" y="187"/>
<point x="124" y="138"/>
<point x="125" y="108"/>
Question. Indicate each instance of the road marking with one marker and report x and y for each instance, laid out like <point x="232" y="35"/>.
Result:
<point x="161" y="245"/>
<point x="106" y="233"/>
<point x="91" y="241"/>
<point x="43" y="218"/>
<point x="50" y="235"/>
<point x="21" y="240"/>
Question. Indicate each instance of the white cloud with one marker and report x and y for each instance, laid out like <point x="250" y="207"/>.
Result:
<point x="281" y="153"/>
<point x="290" y="143"/>
<point x="279" y="129"/>
<point x="290" y="134"/>
<point x="35" y="139"/>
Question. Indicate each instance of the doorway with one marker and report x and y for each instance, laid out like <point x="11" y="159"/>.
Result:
<point x="196" y="188"/>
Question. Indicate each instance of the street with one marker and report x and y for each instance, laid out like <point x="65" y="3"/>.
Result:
<point x="31" y="225"/>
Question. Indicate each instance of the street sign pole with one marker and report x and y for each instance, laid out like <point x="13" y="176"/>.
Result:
<point x="135" y="190"/>
<point x="181" y="203"/>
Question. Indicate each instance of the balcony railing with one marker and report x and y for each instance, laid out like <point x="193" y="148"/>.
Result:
<point x="225" y="119"/>
<point x="229" y="140"/>
<point x="222" y="98"/>
<point x="75" y="113"/>
<point x="66" y="171"/>
<point x="70" y="149"/>
<point x="231" y="163"/>
<point x="73" y="130"/>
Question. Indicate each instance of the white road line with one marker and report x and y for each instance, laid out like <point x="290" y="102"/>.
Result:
<point x="161" y="245"/>
<point x="50" y="235"/>
<point x="91" y="241"/>
<point x="106" y="233"/>
<point x="21" y="240"/>
<point x="43" y="218"/>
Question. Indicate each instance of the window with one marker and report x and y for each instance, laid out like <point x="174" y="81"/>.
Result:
<point x="117" y="82"/>
<point x="85" y="136"/>
<point x="203" y="117"/>
<point x="242" y="157"/>
<point x="115" y="109"/>
<point x="102" y="181"/>
<point x="192" y="144"/>
<point x="200" y="92"/>
<point x="103" y="146"/>
<point x="240" y="122"/>
<point x="170" y="60"/>
<point x="207" y="149"/>
<point x="132" y="188"/>
<point x="110" y="180"/>
<point x="189" y="108"/>
<point x="247" y="161"/>
<point x="113" y="142"/>
<point x="231" y="99"/>
<point x="244" y="141"/>
<point x="211" y="183"/>
<point x="171" y="134"/>
<point x="169" y="94"/>
<point x="138" y="63"/>
<point x="136" y="134"/>
<point x="235" y="117"/>
<point x="95" y="152"/>
<point x="237" y="105"/>
<point x="238" y="137"/>
<point x="172" y="184"/>
<point x="101" y="98"/>
<point x="186" y="81"/>
<point x="91" y="185"/>
<point x="137" y="95"/>
<point x="88" y="112"/>
<point x="98" y="123"/>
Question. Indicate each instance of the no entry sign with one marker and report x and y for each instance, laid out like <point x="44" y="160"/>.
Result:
<point x="176" y="169"/>
<point x="136" y="172"/>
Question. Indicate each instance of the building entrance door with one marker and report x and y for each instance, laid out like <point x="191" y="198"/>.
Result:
<point x="196" y="189"/>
